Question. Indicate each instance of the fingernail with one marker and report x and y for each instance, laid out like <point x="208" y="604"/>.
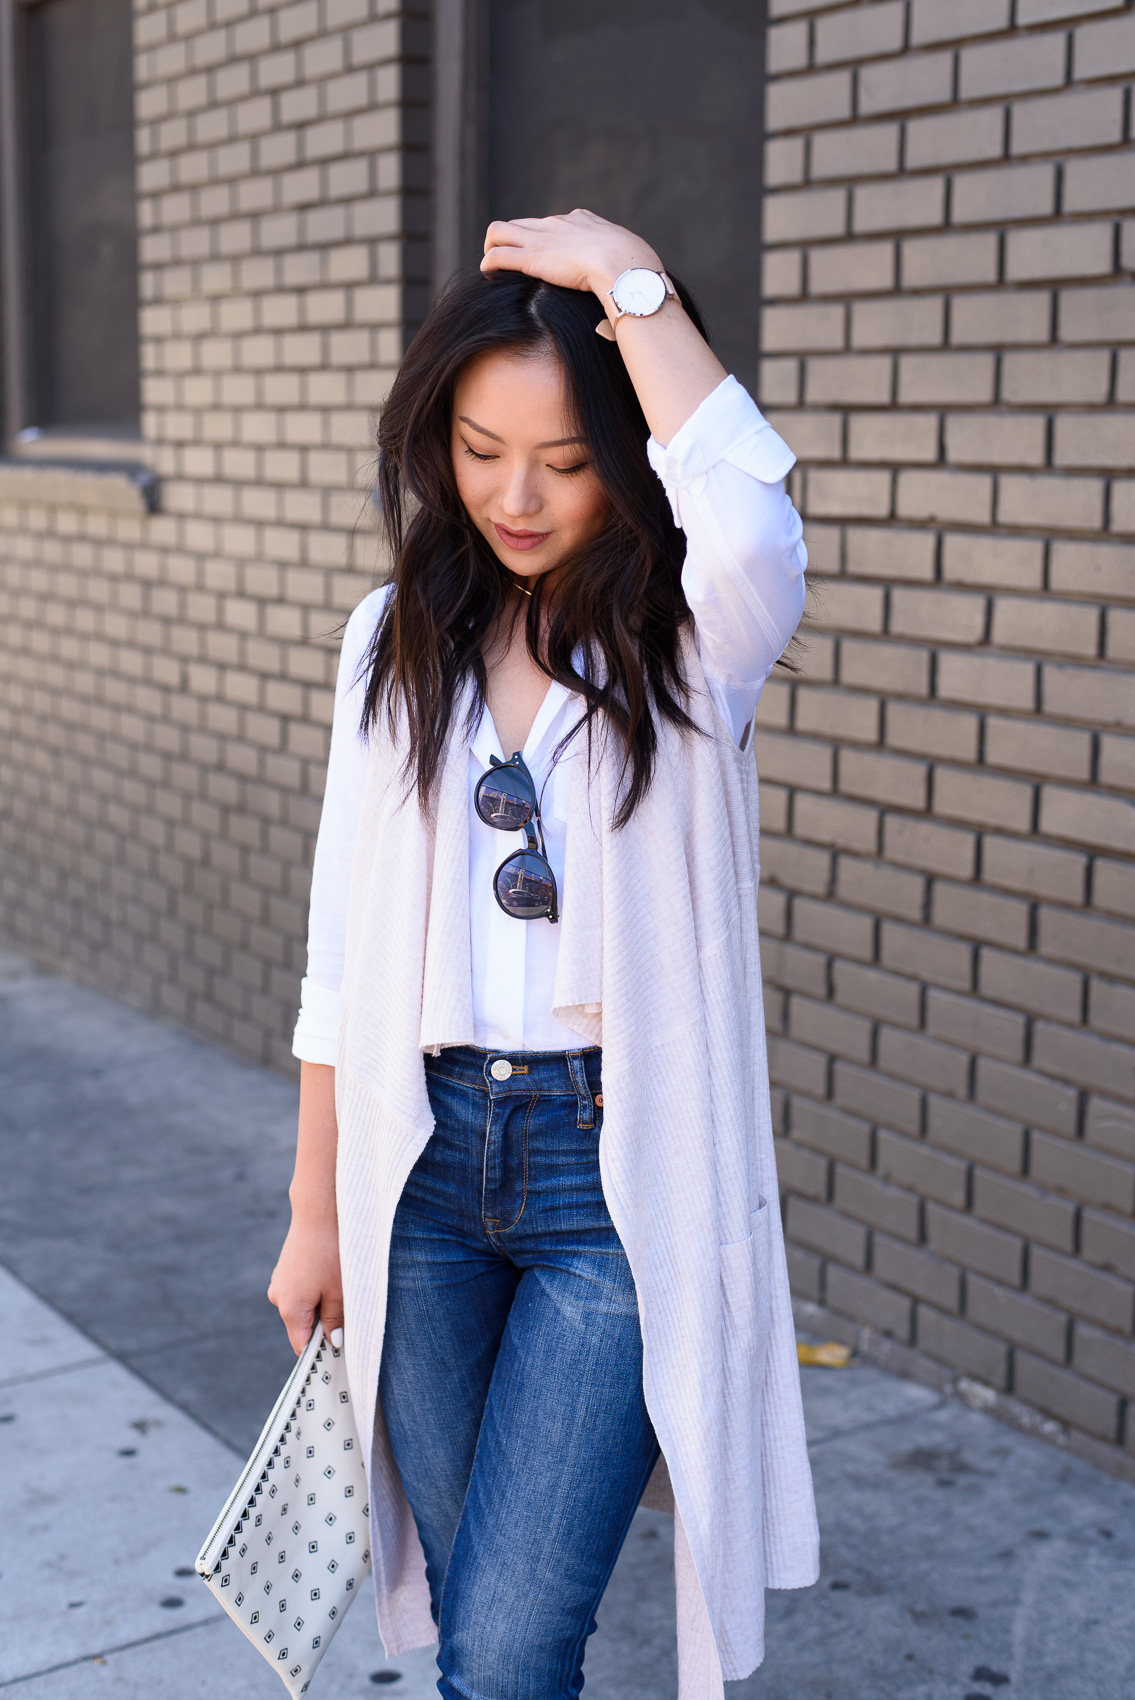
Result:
<point x="336" y="1338"/>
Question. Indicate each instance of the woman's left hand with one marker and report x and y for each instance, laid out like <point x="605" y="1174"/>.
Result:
<point x="578" y="250"/>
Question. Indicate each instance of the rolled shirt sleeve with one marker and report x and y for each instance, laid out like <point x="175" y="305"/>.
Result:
<point x="316" y="1036"/>
<point x="743" y="575"/>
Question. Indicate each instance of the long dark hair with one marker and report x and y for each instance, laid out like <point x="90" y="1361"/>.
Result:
<point x="618" y="603"/>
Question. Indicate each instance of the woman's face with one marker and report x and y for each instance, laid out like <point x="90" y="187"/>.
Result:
<point x="525" y="477"/>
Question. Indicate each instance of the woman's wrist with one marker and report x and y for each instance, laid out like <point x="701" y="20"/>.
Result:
<point x="603" y="277"/>
<point x="313" y="1215"/>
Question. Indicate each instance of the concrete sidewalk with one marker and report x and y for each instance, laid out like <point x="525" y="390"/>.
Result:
<point x="142" y="1207"/>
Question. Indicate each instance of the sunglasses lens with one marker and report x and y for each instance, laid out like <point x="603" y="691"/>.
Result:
<point x="524" y="886"/>
<point x="504" y="799"/>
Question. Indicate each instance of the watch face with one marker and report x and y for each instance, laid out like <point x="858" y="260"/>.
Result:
<point x="639" y="292"/>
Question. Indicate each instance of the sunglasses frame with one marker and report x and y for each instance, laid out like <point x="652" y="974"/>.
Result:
<point x="535" y="845"/>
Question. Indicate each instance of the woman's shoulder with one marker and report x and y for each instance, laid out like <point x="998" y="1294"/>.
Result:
<point x="366" y="614"/>
<point x="360" y="629"/>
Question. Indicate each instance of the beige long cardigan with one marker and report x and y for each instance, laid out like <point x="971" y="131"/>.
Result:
<point x="658" y="963"/>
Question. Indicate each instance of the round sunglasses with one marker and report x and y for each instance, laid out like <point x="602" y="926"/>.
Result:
<point x="524" y="884"/>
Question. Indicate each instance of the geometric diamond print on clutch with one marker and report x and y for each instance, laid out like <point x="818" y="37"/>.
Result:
<point x="287" y="1554"/>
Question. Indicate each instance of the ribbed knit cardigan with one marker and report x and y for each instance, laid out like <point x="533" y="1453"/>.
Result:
<point x="658" y="963"/>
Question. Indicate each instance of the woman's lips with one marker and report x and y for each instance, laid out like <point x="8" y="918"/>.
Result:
<point x="520" y="539"/>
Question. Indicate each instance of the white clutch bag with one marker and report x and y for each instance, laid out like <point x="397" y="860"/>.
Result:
<point x="287" y="1554"/>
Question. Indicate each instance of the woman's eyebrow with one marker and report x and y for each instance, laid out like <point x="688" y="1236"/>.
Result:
<point x="465" y="420"/>
<point x="560" y="442"/>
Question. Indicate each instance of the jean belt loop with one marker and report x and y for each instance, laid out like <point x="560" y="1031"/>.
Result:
<point x="586" y="1117"/>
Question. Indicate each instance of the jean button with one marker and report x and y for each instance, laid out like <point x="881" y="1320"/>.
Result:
<point x="501" y="1069"/>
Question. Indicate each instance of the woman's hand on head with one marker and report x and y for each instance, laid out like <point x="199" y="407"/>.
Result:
<point x="671" y="366"/>
<point x="577" y="250"/>
<point x="306" y="1281"/>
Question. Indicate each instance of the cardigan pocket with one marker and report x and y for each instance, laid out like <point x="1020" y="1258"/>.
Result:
<point x="758" y="1215"/>
<point x="744" y="1266"/>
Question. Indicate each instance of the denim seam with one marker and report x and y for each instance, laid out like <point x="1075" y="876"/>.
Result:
<point x="524" y="1192"/>
<point x="494" y="1227"/>
<point x="527" y="1091"/>
<point x="585" y="1116"/>
<point x="500" y="1090"/>
<point x="524" y="1090"/>
<point x="456" y="1080"/>
<point x="485" y="1160"/>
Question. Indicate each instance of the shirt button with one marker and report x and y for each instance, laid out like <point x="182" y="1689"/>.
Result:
<point x="501" y="1069"/>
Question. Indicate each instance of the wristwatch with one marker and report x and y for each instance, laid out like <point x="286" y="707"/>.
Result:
<point x="639" y="292"/>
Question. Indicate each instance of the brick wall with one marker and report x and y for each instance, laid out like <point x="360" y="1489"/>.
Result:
<point x="166" y="680"/>
<point x="949" y="830"/>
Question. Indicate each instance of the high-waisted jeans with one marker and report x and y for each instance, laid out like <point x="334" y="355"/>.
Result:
<point x="511" y="1376"/>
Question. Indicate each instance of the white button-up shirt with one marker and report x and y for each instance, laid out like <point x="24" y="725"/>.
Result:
<point x="743" y="578"/>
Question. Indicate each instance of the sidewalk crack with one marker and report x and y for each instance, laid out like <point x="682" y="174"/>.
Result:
<point x="108" y="1652"/>
<point x="46" y="1374"/>
<point x="878" y="1422"/>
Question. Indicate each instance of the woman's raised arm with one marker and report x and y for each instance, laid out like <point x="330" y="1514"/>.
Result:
<point x="670" y="364"/>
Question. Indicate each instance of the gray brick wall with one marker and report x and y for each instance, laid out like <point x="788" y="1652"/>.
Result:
<point x="166" y="680"/>
<point x="948" y="815"/>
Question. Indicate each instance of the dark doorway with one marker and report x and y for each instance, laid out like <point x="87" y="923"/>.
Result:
<point x="649" y="112"/>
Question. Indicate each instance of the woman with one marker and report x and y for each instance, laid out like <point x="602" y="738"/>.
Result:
<point x="535" y="1166"/>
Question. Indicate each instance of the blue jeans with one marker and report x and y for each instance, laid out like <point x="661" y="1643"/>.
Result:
<point x="511" y="1375"/>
